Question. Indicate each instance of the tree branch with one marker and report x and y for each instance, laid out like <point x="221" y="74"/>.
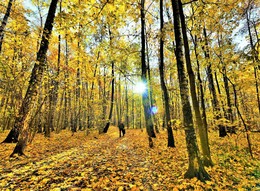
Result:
<point x="189" y="2"/>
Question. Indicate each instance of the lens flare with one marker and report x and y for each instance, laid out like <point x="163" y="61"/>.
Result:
<point x="140" y="88"/>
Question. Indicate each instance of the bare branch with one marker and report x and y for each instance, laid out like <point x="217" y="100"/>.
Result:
<point x="189" y="2"/>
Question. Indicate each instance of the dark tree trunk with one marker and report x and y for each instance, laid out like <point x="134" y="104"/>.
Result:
<point x="127" y="105"/>
<point x="150" y="90"/>
<point x="171" y="142"/>
<point x="22" y="120"/>
<point x="112" y="88"/>
<point x="255" y="59"/>
<point x="242" y="119"/>
<point x="229" y="115"/>
<point x="66" y="88"/>
<point x="4" y="22"/>
<point x="216" y="109"/>
<point x="77" y="101"/>
<point x="54" y="87"/>
<point x="196" y="168"/>
<point x="112" y="99"/>
<point x="229" y="110"/>
<point x="145" y="95"/>
<point x="90" y="101"/>
<point x="102" y="94"/>
<point x="133" y="110"/>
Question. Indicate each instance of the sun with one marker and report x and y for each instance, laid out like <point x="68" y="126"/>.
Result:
<point x="140" y="87"/>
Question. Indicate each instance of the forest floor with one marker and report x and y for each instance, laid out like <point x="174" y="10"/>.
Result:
<point x="107" y="162"/>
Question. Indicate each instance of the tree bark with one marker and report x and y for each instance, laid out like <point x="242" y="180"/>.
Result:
<point x="4" y="23"/>
<point x="127" y="105"/>
<point x="22" y="120"/>
<point x="112" y="99"/>
<point x="204" y="116"/>
<point x="66" y="89"/>
<point x="203" y="133"/>
<point x="215" y="104"/>
<point x="90" y="100"/>
<point x="229" y="110"/>
<point x="228" y="113"/>
<point x="196" y="168"/>
<point x="145" y="95"/>
<point x="78" y="97"/>
<point x="171" y="142"/>
<point x="255" y="59"/>
<point x="242" y="119"/>
<point x="54" y="87"/>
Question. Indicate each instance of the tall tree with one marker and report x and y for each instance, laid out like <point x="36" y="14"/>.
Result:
<point x="127" y="104"/>
<point x="200" y="83"/>
<point x="203" y="132"/>
<point x="145" y="95"/>
<point x="253" y="50"/>
<point x="112" y="89"/>
<point x="21" y="125"/>
<point x="215" y="103"/>
<point x="66" y="86"/>
<point x="227" y="112"/>
<point x="4" y="23"/>
<point x="196" y="167"/>
<point x="163" y="85"/>
<point x="54" y="83"/>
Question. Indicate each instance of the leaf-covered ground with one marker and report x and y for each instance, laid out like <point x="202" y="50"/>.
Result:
<point x="106" y="162"/>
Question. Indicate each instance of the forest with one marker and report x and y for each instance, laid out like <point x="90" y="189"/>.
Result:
<point x="181" y="77"/>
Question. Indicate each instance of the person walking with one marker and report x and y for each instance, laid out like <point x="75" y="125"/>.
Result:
<point x="121" y="129"/>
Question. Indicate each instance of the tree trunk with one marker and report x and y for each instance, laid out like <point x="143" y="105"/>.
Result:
<point x="66" y="88"/>
<point x="145" y="95"/>
<point x="118" y="102"/>
<point x="196" y="168"/>
<point x="4" y="22"/>
<point x="222" y="129"/>
<point x="229" y="110"/>
<point x="102" y="95"/>
<point x="127" y="105"/>
<point x="203" y="133"/>
<point x="77" y="100"/>
<point x="242" y="119"/>
<point x="171" y="142"/>
<point x="112" y="98"/>
<point x="54" y="87"/>
<point x="90" y="100"/>
<point x="150" y="90"/>
<point x="204" y="116"/>
<point x="133" y="109"/>
<point x="22" y="120"/>
<point x="255" y="58"/>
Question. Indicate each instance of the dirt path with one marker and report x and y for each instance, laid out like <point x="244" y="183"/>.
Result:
<point x="103" y="162"/>
<point x="107" y="162"/>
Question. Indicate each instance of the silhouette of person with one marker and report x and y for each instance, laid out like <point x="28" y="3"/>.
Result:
<point x="121" y="129"/>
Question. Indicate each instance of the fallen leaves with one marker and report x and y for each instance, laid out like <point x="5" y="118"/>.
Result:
<point x="81" y="162"/>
